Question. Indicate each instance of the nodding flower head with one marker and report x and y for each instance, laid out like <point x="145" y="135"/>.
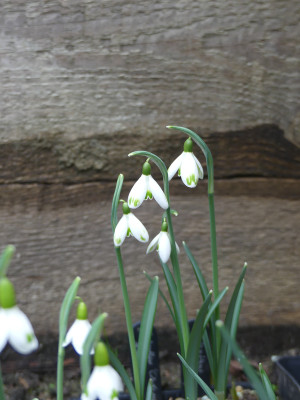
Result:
<point x="146" y="188"/>
<point x="162" y="243"/>
<point x="16" y="328"/>
<point x="129" y="225"/>
<point x="187" y="165"/>
<point x="104" y="383"/>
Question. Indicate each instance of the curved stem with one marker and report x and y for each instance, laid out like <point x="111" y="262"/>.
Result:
<point x="2" y="395"/>
<point x="60" y="373"/>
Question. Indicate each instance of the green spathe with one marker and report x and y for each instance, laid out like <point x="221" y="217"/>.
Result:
<point x="101" y="357"/>
<point x="82" y="312"/>
<point x="7" y="294"/>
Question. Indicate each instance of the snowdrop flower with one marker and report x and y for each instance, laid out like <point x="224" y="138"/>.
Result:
<point x="15" y="327"/>
<point x="162" y="243"/>
<point x="129" y="225"/>
<point x="146" y="188"/>
<point x="79" y="330"/>
<point x="187" y="165"/>
<point x="104" y="383"/>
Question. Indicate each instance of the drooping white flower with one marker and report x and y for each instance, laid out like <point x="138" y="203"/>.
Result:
<point x="187" y="165"/>
<point x="104" y="383"/>
<point x="129" y="225"/>
<point x="79" y="330"/>
<point x="162" y="243"/>
<point x="146" y="188"/>
<point x="15" y="327"/>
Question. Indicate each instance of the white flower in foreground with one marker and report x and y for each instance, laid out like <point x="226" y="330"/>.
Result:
<point x="146" y="188"/>
<point x="15" y="327"/>
<point x="187" y="165"/>
<point x="162" y="243"/>
<point x="79" y="330"/>
<point x="104" y="383"/>
<point x="129" y="225"/>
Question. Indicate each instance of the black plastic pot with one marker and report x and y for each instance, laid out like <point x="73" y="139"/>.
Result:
<point x="288" y="372"/>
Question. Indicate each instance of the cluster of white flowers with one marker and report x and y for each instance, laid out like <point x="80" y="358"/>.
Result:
<point x="189" y="169"/>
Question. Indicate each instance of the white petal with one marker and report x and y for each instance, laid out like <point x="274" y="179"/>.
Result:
<point x="189" y="170"/>
<point x="174" y="167"/>
<point x="21" y="335"/>
<point x="77" y="335"/>
<point x="164" y="247"/>
<point x="158" y="193"/>
<point x="4" y="329"/>
<point x="153" y="244"/>
<point x="137" y="229"/>
<point x="200" y="169"/>
<point x="138" y="192"/>
<point x="121" y="231"/>
<point x="103" y="381"/>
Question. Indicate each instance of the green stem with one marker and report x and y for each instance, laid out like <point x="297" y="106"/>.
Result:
<point x="177" y="275"/>
<point x="60" y="373"/>
<point x="128" y="317"/>
<point x="220" y="395"/>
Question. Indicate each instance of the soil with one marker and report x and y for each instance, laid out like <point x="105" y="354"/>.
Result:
<point x="27" y="377"/>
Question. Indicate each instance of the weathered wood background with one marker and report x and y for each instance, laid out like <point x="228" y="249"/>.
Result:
<point x="83" y="83"/>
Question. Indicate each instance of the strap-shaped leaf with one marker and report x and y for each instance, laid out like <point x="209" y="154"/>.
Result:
<point x="192" y="356"/>
<point x="65" y="309"/>
<point x="5" y="259"/>
<point x="250" y="372"/>
<point x="115" y="362"/>
<point x="197" y="378"/>
<point x="149" y="390"/>
<point x="146" y="330"/>
<point x="266" y="382"/>
<point x="90" y="341"/>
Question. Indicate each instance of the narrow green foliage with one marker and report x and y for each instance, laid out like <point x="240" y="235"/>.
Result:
<point x="5" y="259"/>
<point x="90" y="342"/>
<point x="149" y="390"/>
<point x="266" y="382"/>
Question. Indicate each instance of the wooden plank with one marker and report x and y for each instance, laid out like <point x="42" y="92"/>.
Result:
<point x="259" y="152"/>
<point x="65" y="231"/>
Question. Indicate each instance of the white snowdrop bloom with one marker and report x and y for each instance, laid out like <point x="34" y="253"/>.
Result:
<point x="15" y="327"/>
<point x="79" y="330"/>
<point x="187" y="165"/>
<point x="104" y="383"/>
<point x="146" y="188"/>
<point x="162" y="243"/>
<point x="129" y="225"/>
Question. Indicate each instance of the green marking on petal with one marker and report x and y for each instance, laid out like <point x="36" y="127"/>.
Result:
<point x="136" y="202"/>
<point x="142" y="238"/>
<point x="114" y="394"/>
<point x="29" y="337"/>
<point x="179" y="172"/>
<point x="191" y="179"/>
<point x="128" y="232"/>
<point x="149" y="195"/>
<point x="118" y="240"/>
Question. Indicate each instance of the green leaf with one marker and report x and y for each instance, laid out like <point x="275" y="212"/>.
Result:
<point x="90" y="341"/>
<point x="115" y="362"/>
<point x="266" y="382"/>
<point x="5" y="259"/>
<point x="146" y="330"/>
<point x="149" y="390"/>
<point x="65" y="309"/>
<point x="192" y="356"/>
<point x="115" y="202"/>
<point x="250" y="372"/>
<point x="199" y="380"/>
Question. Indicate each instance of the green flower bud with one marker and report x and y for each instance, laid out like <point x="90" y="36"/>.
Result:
<point x="126" y="209"/>
<point x="146" y="169"/>
<point x="7" y="294"/>
<point x="82" y="312"/>
<point x="188" y="146"/>
<point x="101" y="357"/>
